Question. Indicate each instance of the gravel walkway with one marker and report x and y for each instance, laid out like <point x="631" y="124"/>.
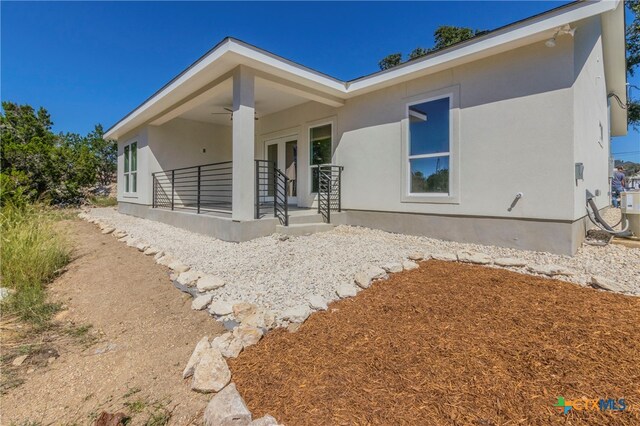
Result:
<point x="283" y="274"/>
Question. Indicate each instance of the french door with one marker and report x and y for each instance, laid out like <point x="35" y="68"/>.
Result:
<point x="283" y="152"/>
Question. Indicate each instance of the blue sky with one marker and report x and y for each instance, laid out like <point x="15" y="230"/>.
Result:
<point x="92" y="62"/>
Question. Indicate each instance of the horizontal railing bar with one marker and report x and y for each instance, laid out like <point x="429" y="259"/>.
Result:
<point x="191" y="167"/>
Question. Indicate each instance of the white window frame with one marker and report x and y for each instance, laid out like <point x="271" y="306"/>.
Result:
<point x="310" y="145"/>
<point x="452" y="197"/>
<point x="128" y="174"/>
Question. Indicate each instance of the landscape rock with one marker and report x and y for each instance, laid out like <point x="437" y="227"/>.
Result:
<point x="17" y="361"/>
<point x="317" y="302"/>
<point x="227" y="408"/>
<point x="152" y="251"/>
<point x="247" y="334"/>
<point x="108" y="230"/>
<point x="178" y="266"/>
<point x="201" y="302"/>
<point x="609" y="285"/>
<point x="409" y="265"/>
<point x="119" y="233"/>
<point x="392" y="267"/>
<point x="211" y="373"/>
<point x="415" y="256"/>
<point x="209" y="282"/>
<point x="267" y="420"/>
<point x="296" y="314"/>
<point x="510" y="262"/>
<point x="4" y="292"/>
<point x="262" y="318"/>
<point x="111" y="419"/>
<point x="473" y="257"/>
<point x="446" y="256"/>
<point x="346" y="290"/>
<point x="142" y="246"/>
<point x="367" y="274"/>
<point x="220" y="308"/>
<point x="189" y="277"/>
<point x="550" y="270"/>
<point x="228" y="345"/>
<point x="132" y="242"/>
<point x="195" y="356"/>
<point x="242" y="310"/>
<point x="160" y="255"/>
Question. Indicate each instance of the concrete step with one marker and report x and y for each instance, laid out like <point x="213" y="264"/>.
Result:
<point x="305" y="218"/>
<point x="298" y="229"/>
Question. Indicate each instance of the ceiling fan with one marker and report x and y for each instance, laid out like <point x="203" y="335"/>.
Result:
<point x="230" y="112"/>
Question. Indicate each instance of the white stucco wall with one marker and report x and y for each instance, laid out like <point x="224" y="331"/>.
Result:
<point x="590" y="112"/>
<point x="177" y="143"/>
<point x="516" y="135"/>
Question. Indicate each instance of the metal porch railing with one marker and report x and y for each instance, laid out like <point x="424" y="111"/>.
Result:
<point x="271" y="191"/>
<point x="329" y="190"/>
<point x="205" y="188"/>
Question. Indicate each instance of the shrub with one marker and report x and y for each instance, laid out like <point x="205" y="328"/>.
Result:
<point x="31" y="254"/>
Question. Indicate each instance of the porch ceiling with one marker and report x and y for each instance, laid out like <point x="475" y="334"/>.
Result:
<point x="268" y="99"/>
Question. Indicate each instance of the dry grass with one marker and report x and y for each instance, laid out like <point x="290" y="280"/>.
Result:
<point x="451" y="344"/>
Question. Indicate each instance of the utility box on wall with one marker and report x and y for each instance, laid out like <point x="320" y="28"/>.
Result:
<point x="579" y="171"/>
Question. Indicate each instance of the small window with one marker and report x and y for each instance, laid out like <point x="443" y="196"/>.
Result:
<point x="429" y="147"/>
<point x="131" y="168"/>
<point x="320" y="150"/>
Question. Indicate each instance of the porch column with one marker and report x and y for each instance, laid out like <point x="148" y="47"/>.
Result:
<point x="243" y="146"/>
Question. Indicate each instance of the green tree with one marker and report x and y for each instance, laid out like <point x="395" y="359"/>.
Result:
<point x="27" y="152"/>
<point x="106" y="153"/>
<point x="418" y="52"/>
<point x="36" y="164"/>
<point x="390" y="61"/>
<point x="444" y="35"/>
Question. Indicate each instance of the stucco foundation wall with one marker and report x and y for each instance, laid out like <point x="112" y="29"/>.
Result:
<point x="550" y="236"/>
<point x="591" y="116"/>
<point x="218" y="227"/>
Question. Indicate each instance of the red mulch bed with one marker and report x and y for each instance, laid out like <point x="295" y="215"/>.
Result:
<point x="451" y="344"/>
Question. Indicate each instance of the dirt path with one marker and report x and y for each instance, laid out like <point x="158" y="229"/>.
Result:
<point x="145" y="332"/>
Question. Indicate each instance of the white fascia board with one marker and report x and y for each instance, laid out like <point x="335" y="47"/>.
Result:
<point x="488" y="44"/>
<point x="297" y="71"/>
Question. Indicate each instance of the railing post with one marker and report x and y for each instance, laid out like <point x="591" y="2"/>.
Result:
<point x="275" y="191"/>
<point x="153" y="194"/>
<point x="198" y="201"/>
<point x="317" y="169"/>
<point x="286" y="201"/>
<point x="257" y="189"/>
<point x="329" y="197"/>
<point x="339" y="188"/>
<point x="173" y="180"/>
